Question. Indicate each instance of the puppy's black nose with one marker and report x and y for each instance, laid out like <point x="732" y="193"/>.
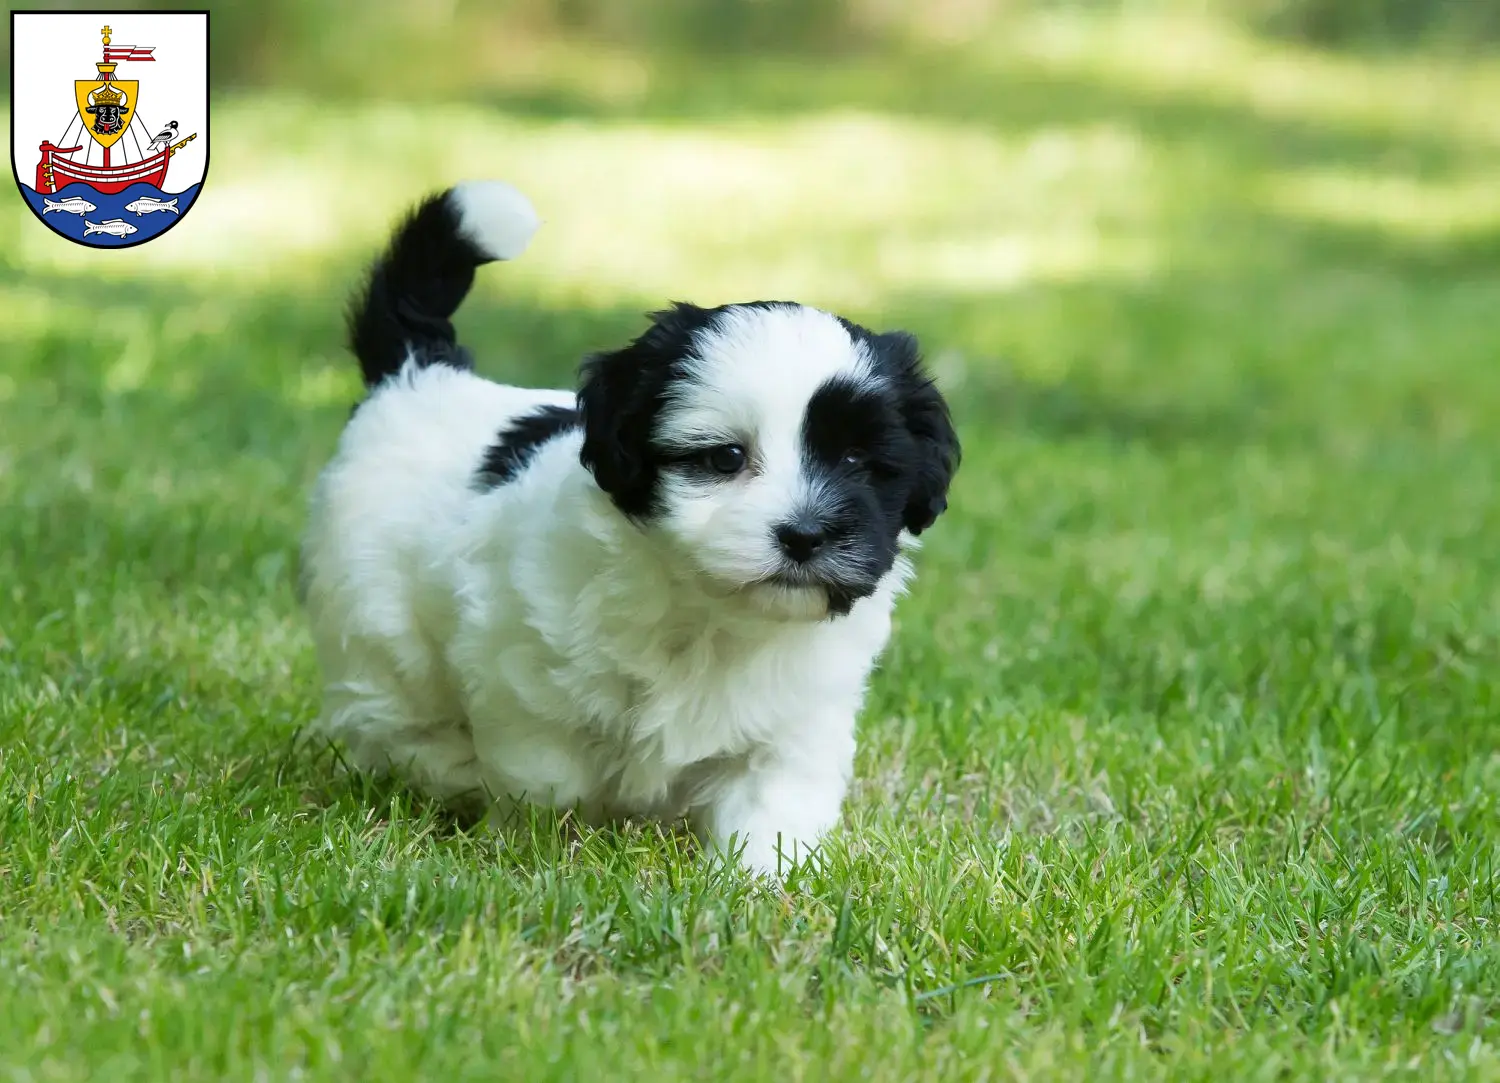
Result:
<point x="801" y="538"/>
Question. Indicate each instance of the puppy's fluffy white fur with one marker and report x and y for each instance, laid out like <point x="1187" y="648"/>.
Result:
<point x="555" y="633"/>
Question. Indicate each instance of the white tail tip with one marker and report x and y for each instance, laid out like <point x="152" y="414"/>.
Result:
<point x="494" y="217"/>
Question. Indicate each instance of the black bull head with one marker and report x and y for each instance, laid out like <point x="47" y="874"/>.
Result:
<point x="107" y="117"/>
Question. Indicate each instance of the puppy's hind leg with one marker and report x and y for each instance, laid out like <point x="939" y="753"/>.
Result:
<point x="383" y="737"/>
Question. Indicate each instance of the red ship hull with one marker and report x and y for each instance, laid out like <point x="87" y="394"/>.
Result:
<point x="54" y="172"/>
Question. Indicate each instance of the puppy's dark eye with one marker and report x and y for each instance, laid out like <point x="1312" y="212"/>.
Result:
<point x="726" y="459"/>
<point x="854" y="458"/>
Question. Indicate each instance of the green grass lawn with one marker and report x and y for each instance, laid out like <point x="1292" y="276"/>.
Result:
<point x="1184" y="759"/>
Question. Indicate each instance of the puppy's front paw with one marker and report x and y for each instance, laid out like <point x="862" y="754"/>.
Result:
<point x="777" y="855"/>
<point x="773" y="817"/>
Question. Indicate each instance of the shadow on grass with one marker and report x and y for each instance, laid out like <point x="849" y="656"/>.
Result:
<point x="525" y="838"/>
<point x="1472" y="255"/>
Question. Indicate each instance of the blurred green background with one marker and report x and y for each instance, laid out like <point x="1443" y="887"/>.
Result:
<point x="1199" y="671"/>
<point x="287" y="42"/>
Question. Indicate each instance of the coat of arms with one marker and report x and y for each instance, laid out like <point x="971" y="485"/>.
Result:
<point x="115" y="176"/>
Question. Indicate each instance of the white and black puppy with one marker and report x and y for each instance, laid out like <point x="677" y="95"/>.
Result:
<point x="661" y="595"/>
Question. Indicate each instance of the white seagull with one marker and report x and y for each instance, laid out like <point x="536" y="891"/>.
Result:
<point x="164" y="137"/>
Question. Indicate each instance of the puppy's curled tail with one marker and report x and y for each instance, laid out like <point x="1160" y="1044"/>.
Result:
<point x="405" y="310"/>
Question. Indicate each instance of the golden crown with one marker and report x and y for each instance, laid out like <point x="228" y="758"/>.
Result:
<point x="107" y="95"/>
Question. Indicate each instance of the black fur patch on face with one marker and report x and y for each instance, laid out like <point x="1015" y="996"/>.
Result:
<point x="519" y="441"/>
<point x="851" y="424"/>
<point x="881" y="450"/>
<point x="841" y="600"/>
<point x="859" y="453"/>
<point x="620" y="397"/>
<point x="935" y="453"/>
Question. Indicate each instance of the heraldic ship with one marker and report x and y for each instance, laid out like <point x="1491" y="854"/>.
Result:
<point x="102" y="116"/>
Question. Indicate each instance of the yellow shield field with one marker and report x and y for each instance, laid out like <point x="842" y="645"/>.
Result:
<point x="82" y="88"/>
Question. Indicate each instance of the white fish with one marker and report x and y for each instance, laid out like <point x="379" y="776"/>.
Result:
<point x="147" y="204"/>
<point x="115" y="227"/>
<point x="71" y="205"/>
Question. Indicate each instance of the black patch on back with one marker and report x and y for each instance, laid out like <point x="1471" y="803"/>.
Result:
<point x="519" y="441"/>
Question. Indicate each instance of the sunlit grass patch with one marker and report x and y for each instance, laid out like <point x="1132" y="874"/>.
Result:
<point x="1196" y="61"/>
<point x="844" y="208"/>
<point x="1402" y="206"/>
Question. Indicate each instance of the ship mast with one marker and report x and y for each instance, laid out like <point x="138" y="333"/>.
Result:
<point x="106" y="72"/>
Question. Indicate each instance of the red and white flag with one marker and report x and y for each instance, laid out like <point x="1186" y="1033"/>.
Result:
<point x="129" y="52"/>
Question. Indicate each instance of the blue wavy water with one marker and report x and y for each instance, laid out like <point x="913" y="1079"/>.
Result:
<point x="107" y="207"/>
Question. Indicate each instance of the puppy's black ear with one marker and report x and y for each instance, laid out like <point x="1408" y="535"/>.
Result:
<point x="616" y="407"/>
<point x="619" y="397"/>
<point x="925" y="412"/>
